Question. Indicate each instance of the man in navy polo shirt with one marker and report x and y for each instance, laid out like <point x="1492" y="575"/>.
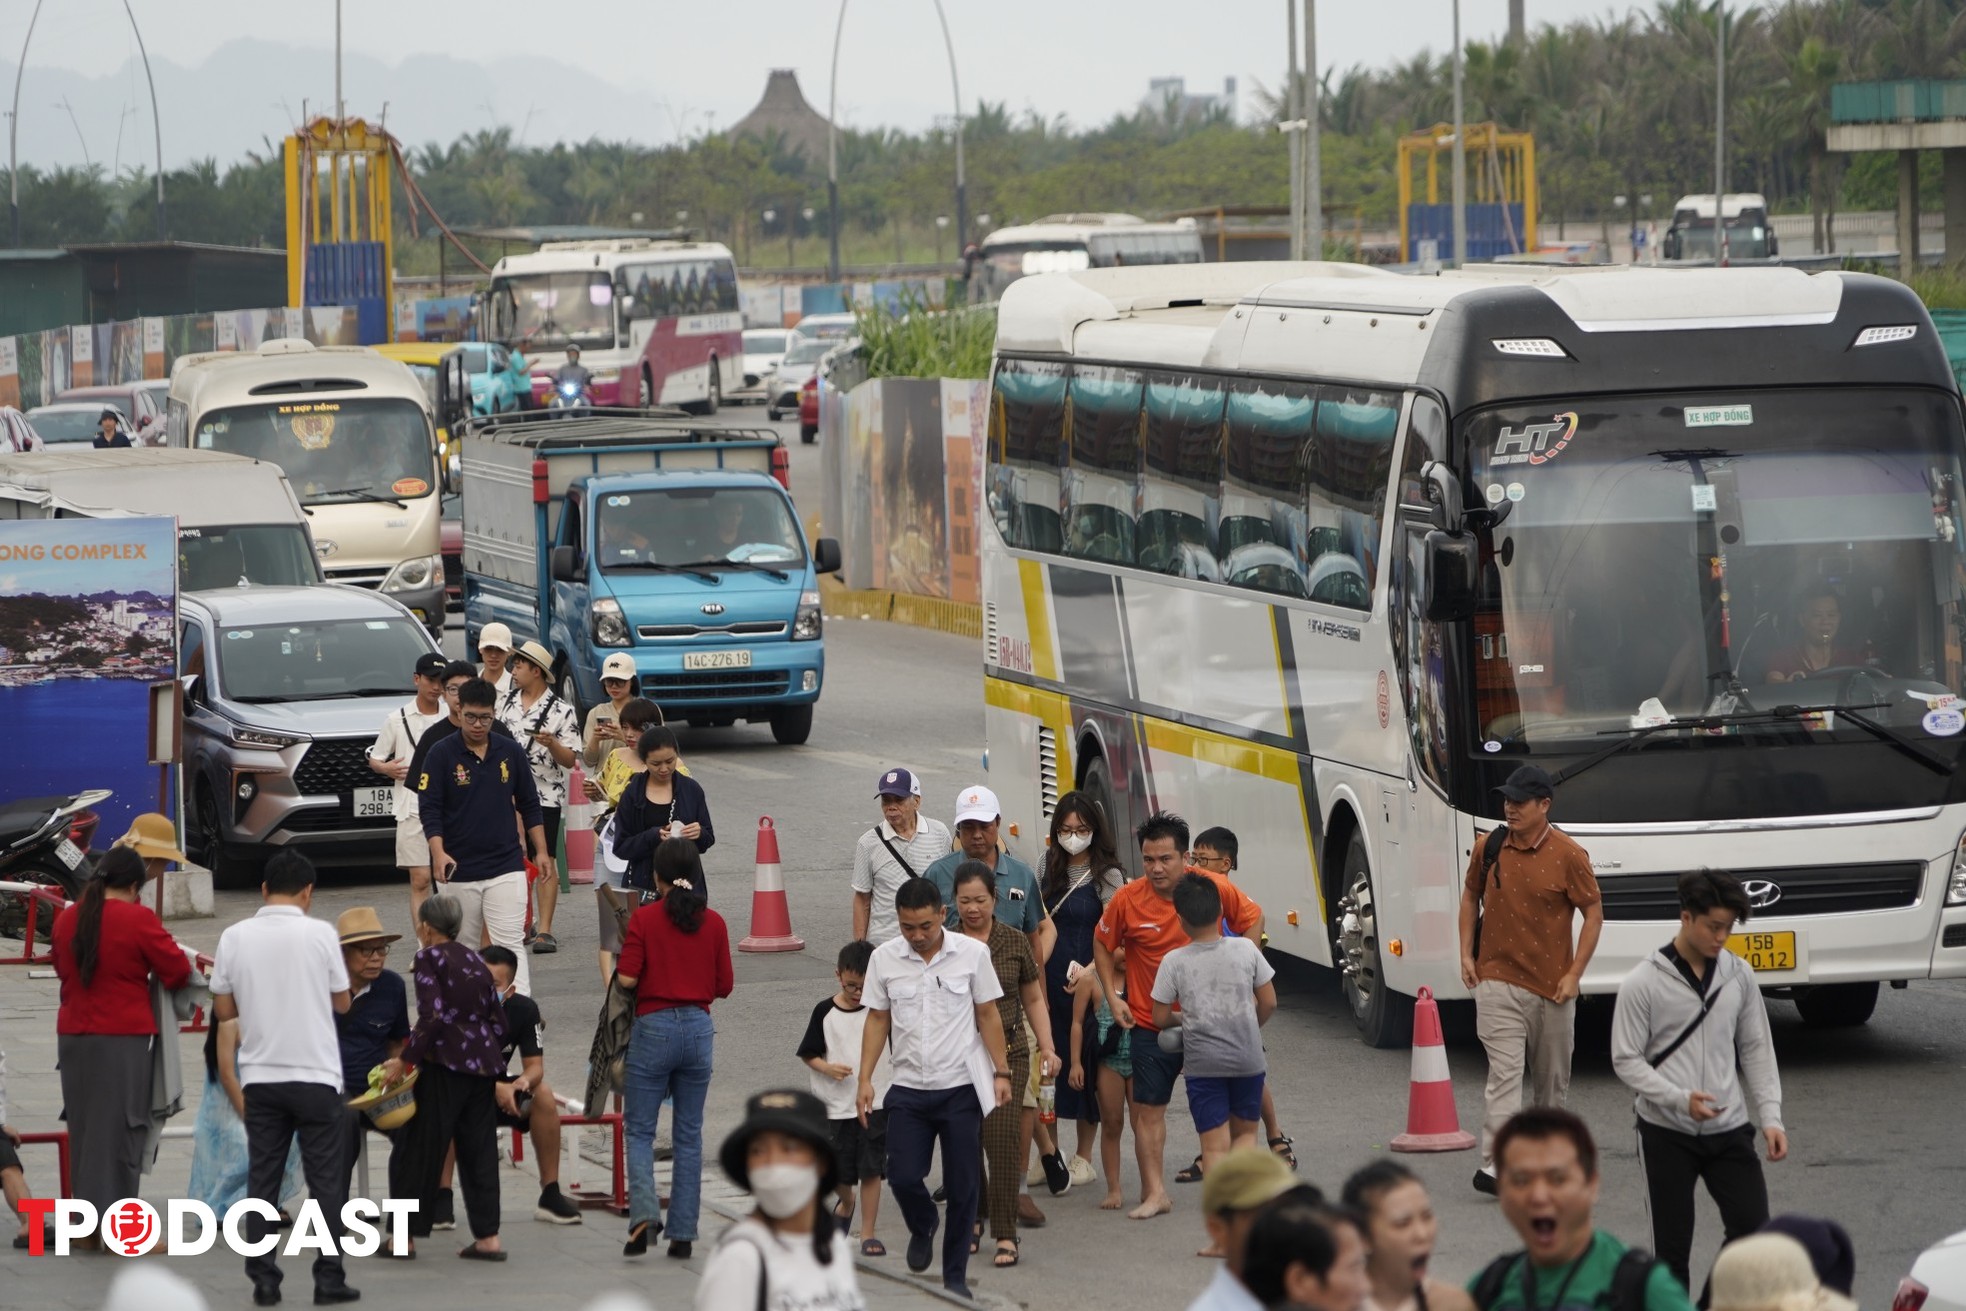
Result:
<point x="470" y="786"/>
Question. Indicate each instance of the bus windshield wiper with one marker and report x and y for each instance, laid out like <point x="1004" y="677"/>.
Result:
<point x="363" y="494"/>
<point x="1777" y="715"/>
<point x="658" y="567"/>
<point x="752" y="565"/>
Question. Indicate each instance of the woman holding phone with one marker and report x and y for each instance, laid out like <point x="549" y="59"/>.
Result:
<point x="658" y="804"/>
<point x="601" y="733"/>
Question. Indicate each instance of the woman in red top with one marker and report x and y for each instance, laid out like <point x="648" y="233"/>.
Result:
<point x="676" y="958"/>
<point x="107" y="945"/>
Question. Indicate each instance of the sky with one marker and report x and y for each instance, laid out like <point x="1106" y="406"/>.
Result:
<point x="20" y="574"/>
<point x="232" y="73"/>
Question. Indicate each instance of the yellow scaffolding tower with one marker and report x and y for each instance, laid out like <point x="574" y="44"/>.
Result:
<point x="1501" y="171"/>
<point x="340" y="237"/>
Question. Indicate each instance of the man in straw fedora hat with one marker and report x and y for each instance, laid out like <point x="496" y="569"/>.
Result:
<point x="377" y="1021"/>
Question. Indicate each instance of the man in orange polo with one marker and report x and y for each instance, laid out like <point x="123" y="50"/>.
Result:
<point x="1141" y="919"/>
<point x="1526" y="974"/>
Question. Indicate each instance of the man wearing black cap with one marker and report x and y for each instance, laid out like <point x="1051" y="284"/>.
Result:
<point x="1518" y="903"/>
<point x="390" y="757"/>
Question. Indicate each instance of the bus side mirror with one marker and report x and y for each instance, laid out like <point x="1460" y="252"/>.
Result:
<point x="826" y="556"/>
<point x="1453" y="561"/>
<point x="564" y="570"/>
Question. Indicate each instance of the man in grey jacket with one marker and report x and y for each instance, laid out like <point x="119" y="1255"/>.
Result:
<point x="1689" y="1029"/>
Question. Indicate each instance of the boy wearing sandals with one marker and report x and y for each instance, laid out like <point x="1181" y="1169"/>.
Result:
<point x="831" y="1050"/>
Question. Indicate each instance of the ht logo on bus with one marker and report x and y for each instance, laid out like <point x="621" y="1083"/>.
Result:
<point x="1531" y="443"/>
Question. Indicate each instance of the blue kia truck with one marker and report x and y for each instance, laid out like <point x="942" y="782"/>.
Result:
<point x="671" y="540"/>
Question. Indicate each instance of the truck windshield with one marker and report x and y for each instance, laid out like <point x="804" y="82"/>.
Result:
<point x="1747" y="238"/>
<point x="1677" y="556"/>
<point x="331" y="451"/>
<point x="697" y="526"/>
<point x="538" y="311"/>
<point x="319" y="661"/>
<point x="271" y="555"/>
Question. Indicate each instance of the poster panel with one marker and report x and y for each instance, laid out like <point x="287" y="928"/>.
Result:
<point x="88" y="621"/>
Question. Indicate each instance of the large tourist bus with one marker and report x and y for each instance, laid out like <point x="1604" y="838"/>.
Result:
<point x="1689" y="539"/>
<point x="657" y="322"/>
<point x="1064" y="243"/>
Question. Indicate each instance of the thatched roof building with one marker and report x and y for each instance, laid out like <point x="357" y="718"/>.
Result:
<point x="785" y="113"/>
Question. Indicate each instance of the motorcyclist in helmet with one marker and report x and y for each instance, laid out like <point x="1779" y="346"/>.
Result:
<point x="575" y="372"/>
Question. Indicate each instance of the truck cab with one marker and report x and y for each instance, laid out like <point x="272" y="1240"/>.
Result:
<point x="675" y="543"/>
<point x="1743" y="219"/>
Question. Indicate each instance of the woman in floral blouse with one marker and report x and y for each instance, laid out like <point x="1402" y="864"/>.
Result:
<point x="457" y="1048"/>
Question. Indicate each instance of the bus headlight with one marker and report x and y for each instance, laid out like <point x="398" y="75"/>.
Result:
<point x="414" y="575"/>
<point x="806" y="626"/>
<point x="1956" y="884"/>
<point x="610" y="629"/>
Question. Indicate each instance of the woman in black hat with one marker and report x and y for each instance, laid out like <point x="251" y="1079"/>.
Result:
<point x="782" y="1254"/>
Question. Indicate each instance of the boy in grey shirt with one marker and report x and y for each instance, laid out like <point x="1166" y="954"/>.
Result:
<point x="1223" y="987"/>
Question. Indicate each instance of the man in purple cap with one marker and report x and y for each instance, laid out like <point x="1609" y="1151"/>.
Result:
<point x="902" y="846"/>
<point x="1525" y="886"/>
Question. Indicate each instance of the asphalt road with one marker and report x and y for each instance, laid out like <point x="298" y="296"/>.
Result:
<point x="1875" y="1115"/>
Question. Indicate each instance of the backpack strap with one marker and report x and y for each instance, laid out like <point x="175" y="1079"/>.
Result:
<point x="1628" y="1281"/>
<point x="1491" y="867"/>
<point x="764" y="1263"/>
<point x="1487" y="1285"/>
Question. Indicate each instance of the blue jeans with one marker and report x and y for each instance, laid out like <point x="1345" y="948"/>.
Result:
<point x="668" y="1057"/>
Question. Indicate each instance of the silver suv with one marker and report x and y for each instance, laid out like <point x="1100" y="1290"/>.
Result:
<point x="285" y="688"/>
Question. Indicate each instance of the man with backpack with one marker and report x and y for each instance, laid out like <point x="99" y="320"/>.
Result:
<point x="1690" y="1028"/>
<point x="1526" y="885"/>
<point x="1548" y="1182"/>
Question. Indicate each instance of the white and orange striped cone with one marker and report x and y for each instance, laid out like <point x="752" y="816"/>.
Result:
<point x="771" y="915"/>
<point x="579" y="828"/>
<point x="1432" y="1122"/>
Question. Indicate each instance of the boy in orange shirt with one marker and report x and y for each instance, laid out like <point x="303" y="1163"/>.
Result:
<point x="1141" y="918"/>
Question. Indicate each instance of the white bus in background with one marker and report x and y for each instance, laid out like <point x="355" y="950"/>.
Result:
<point x="1397" y="536"/>
<point x="657" y="322"/>
<point x="1066" y="243"/>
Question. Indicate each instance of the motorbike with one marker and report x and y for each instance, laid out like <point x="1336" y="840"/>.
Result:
<point x="45" y="840"/>
<point x="569" y="397"/>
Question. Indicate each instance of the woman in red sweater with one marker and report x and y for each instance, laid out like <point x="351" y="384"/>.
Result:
<point x="676" y="957"/>
<point x="107" y="945"/>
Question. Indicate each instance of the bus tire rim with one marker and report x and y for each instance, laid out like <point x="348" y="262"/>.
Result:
<point x="1358" y="933"/>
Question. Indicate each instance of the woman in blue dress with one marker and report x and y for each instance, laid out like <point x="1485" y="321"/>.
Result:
<point x="1082" y="871"/>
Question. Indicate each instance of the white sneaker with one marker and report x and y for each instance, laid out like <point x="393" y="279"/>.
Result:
<point x="1035" y="1175"/>
<point x="1082" y="1172"/>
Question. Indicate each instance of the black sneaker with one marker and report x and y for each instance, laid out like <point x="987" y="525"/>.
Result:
<point x="446" y="1213"/>
<point x="555" y="1207"/>
<point x="1057" y="1175"/>
<point x="1484" y="1182"/>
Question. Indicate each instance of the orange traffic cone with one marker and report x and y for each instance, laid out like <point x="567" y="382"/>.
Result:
<point x="579" y="828"/>
<point x="771" y="916"/>
<point x="1432" y="1123"/>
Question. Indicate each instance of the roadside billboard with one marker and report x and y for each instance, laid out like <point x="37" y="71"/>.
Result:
<point x="88" y="621"/>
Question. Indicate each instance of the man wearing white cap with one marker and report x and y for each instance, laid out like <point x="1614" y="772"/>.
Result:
<point x="494" y="649"/>
<point x="902" y="846"/>
<point x="978" y="820"/>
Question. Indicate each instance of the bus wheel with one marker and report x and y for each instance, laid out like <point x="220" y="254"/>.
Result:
<point x="708" y="405"/>
<point x="648" y="388"/>
<point x="1837" y="1005"/>
<point x="1384" y="1017"/>
<point x="1099" y="786"/>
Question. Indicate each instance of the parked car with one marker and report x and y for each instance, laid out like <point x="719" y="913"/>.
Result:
<point x="1937" y="1281"/>
<point x="284" y="690"/>
<point x="763" y="349"/>
<point x="142" y="404"/>
<point x="64" y="423"/>
<point x="835" y="328"/>
<point x="801" y="361"/>
<point x="17" y="435"/>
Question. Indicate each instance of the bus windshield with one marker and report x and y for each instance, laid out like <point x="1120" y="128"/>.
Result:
<point x="541" y="311"/>
<point x="1747" y="238"/>
<point x="331" y="451"/>
<point x="1723" y="555"/>
<point x="704" y="528"/>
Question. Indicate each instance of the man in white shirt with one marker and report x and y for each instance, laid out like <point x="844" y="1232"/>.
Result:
<point x="899" y="848"/>
<point x="933" y="992"/>
<point x="390" y="757"/>
<point x="281" y="975"/>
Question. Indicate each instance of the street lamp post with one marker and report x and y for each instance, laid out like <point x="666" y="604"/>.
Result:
<point x="1291" y="117"/>
<point x="941" y="226"/>
<point x="1720" y="134"/>
<point x="1460" y="153"/>
<point x="1313" y="154"/>
<point x="13" y="122"/>
<point x="156" y="124"/>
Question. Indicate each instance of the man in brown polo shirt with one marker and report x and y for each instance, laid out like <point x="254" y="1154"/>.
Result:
<point x="1526" y="978"/>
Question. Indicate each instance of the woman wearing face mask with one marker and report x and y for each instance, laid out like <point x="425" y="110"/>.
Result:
<point x="782" y="1255"/>
<point x="1081" y="874"/>
<point x="1400" y="1230"/>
